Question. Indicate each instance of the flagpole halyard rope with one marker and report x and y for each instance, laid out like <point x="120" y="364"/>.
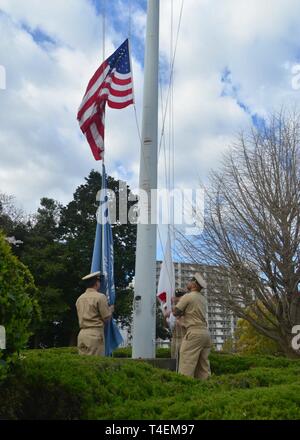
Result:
<point x="172" y="69"/>
<point x="103" y="52"/>
<point x="169" y="157"/>
<point x="130" y="19"/>
<point x="103" y="28"/>
<point x="164" y="255"/>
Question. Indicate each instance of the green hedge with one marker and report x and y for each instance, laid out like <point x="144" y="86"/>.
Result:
<point x="59" y="384"/>
<point x="126" y="353"/>
<point x="3" y="370"/>
<point x="224" y="363"/>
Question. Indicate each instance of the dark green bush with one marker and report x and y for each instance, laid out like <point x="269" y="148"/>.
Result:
<point x="225" y="363"/>
<point x="18" y="303"/>
<point x="3" y="370"/>
<point x="122" y="353"/>
<point x="163" y="353"/>
<point x="126" y="353"/>
<point x="59" y="384"/>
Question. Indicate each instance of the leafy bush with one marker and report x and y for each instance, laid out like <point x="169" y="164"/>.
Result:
<point x="3" y="370"/>
<point x="250" y="341"/>
<point x="163" y="353"/>
<point x="122" y="352"/>
<point x="18" y="303"/>
<point x="59" y="384"/>
<point x="127" y="352"/>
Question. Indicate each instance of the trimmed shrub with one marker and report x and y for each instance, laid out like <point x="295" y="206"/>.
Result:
<point x="3" y="370"/>
<point x="59" y="384"/>
<point x="127" y="353"/>
<point x="122" y="352"/>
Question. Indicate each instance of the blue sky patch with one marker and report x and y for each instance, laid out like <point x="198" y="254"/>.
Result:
<point x="121" y="22"/>
<point x="40" y="37"/>
<point x="232" y="90"/>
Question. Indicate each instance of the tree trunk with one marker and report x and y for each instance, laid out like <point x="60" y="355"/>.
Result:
<point x="287" y="349"/>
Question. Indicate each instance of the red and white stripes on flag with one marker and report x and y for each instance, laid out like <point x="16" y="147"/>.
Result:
<point x="112" y="84"/>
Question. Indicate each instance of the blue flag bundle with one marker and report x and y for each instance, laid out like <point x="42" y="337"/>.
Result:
<point x="103" y="260"/>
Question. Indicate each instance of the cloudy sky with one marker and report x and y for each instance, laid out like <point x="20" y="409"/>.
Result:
<point x="234" y="64"/>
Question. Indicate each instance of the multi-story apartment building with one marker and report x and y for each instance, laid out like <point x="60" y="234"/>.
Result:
<point x="221" y="321"/>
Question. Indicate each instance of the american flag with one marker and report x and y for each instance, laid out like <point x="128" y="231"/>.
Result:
<point x="112" y="84"/>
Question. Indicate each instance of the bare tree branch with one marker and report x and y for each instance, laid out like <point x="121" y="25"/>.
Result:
<point x="252" y="228"/>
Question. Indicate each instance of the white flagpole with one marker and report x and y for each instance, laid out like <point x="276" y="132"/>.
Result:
<point x="144" y="318"/>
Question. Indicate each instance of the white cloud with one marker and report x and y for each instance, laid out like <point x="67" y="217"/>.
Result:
<point x="72" y="23"/>
<point x="42" y="151"/>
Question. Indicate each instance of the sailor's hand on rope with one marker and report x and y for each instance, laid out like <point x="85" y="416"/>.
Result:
<point x="167" y="314"/>
<point x="179" y="321"/>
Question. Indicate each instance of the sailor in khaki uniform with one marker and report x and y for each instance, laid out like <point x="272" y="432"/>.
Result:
<point x="195" y="347"/>
<point x="179" y="329"/>
<point x="176" y="325"/>
<point x="93" y="311"/>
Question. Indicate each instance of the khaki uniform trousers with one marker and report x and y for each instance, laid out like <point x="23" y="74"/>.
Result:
<point x="176" y="340"/>
<point x="91" y="342"/>
<point x="194" y="352"/>
<point x="175" y="347"/>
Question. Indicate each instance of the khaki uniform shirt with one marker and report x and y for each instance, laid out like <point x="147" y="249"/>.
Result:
<point x="194" y="306"/>
<point x="92" y="309"/>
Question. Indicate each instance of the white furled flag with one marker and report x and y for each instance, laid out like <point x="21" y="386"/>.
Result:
<point x="166" y="283"/>
<point x="111" y="84"/>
